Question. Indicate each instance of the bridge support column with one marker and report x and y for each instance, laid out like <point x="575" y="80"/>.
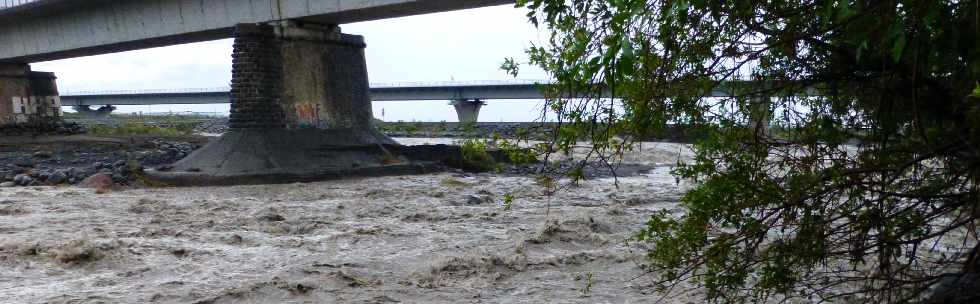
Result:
<point x="88" y="112"/>
<point x="29" y="101"/>
<point x="300" y="110"/>
<point x="299" y="76"/>
<point x="760" y="115"/>
<point x="468" y="110"/>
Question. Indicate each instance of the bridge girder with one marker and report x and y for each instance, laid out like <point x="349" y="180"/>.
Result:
<point x="58" y="29"/>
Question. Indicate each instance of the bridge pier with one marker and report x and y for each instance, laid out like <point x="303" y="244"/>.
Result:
<point x="29" y="101"/>
<point x="468" y="110"/>
<point x="88" y="112"/>
<point x="759" y="115"/>
<point x="293" y="76"/>
<point x="300" y="110"/>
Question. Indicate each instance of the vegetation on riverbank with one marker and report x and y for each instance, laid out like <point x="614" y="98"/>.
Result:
<point x="843" y="165"/>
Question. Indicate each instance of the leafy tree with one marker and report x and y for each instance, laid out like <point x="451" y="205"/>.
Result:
<point x="839" y="147"/>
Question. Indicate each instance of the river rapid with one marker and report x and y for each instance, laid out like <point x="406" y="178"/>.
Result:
<point x="448" y="237"/>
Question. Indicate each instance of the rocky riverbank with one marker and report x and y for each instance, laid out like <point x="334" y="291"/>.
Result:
<point x="71" y="159"/>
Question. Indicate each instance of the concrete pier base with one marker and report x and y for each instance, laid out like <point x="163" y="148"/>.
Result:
<point x="300" y="111"/>
<point x="468" y="110"/>
<point x="282" y="156"/>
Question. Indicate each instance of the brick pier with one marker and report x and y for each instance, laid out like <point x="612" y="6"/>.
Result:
<point x="256" y="78"/>
<point x="28" y="99"/>
<point x="300" y="110"/>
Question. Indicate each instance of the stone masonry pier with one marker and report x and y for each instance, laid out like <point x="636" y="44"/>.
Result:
<point x="300" y="111"/>
<point x="28" y="98"/>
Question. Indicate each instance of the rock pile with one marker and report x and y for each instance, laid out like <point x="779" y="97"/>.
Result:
<point x="71" y="166"/>
<point x="61" y="128"/>
<point x="214" y="126"/>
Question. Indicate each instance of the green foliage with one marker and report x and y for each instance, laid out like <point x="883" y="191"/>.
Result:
<point x="510" y="66"/>
<point x="477" y="153"/>
<point x="139" y="128"/>
<point x="409" y="128"/>
<point x="508" y="201"/>
<point x="544" y="181"/>
<point x="476" y="156"/>
<point x="587" y="287"/>
<point x="576" y="174"/>
<point x="515" y="153"/>
<point x="846" y="151"/>
<point x="468" y="129"/>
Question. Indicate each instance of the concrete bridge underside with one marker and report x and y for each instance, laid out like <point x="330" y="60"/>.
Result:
<point x="58" y="29"/>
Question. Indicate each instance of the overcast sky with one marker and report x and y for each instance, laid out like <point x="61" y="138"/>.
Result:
<point x="461" y="45"/>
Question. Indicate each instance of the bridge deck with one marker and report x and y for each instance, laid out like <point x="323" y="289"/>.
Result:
<point x="379" y="92"/>
<point x="42" y="30"/>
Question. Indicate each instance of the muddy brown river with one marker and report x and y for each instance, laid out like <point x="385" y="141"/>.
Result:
<point x="438" y="238"/>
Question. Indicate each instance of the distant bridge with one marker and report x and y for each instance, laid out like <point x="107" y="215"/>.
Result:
<point x="466" y="96"/>
<point x="482" y="90"/>
<point x="450" y="91"/>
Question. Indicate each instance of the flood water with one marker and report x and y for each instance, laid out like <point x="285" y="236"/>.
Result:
<point x="437" y="238"/>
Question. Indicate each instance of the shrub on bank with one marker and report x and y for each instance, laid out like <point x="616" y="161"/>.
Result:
<point x="133" y="128"/>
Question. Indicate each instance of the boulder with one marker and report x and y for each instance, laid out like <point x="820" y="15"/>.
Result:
<point x="42" y="154"/>
<point x="41" y="175"/>
<point x="24" y="162"/>
<point x="97" y="181"/>
<point x="57" y="177"/>
<point x="478" y="200"/>
<point x="23" y="180"/>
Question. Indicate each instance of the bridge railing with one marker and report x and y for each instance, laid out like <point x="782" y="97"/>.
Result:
<point x="4" y="4"/>
<point x="457" y="83"/>
<point x="151" y="91"/>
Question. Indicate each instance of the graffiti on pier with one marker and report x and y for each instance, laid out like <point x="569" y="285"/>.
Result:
<point x="308" y="115"/>
<point x="22" y="109"/>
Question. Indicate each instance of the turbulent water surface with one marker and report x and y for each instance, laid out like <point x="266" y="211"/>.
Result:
<point x="438" y="238"/>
